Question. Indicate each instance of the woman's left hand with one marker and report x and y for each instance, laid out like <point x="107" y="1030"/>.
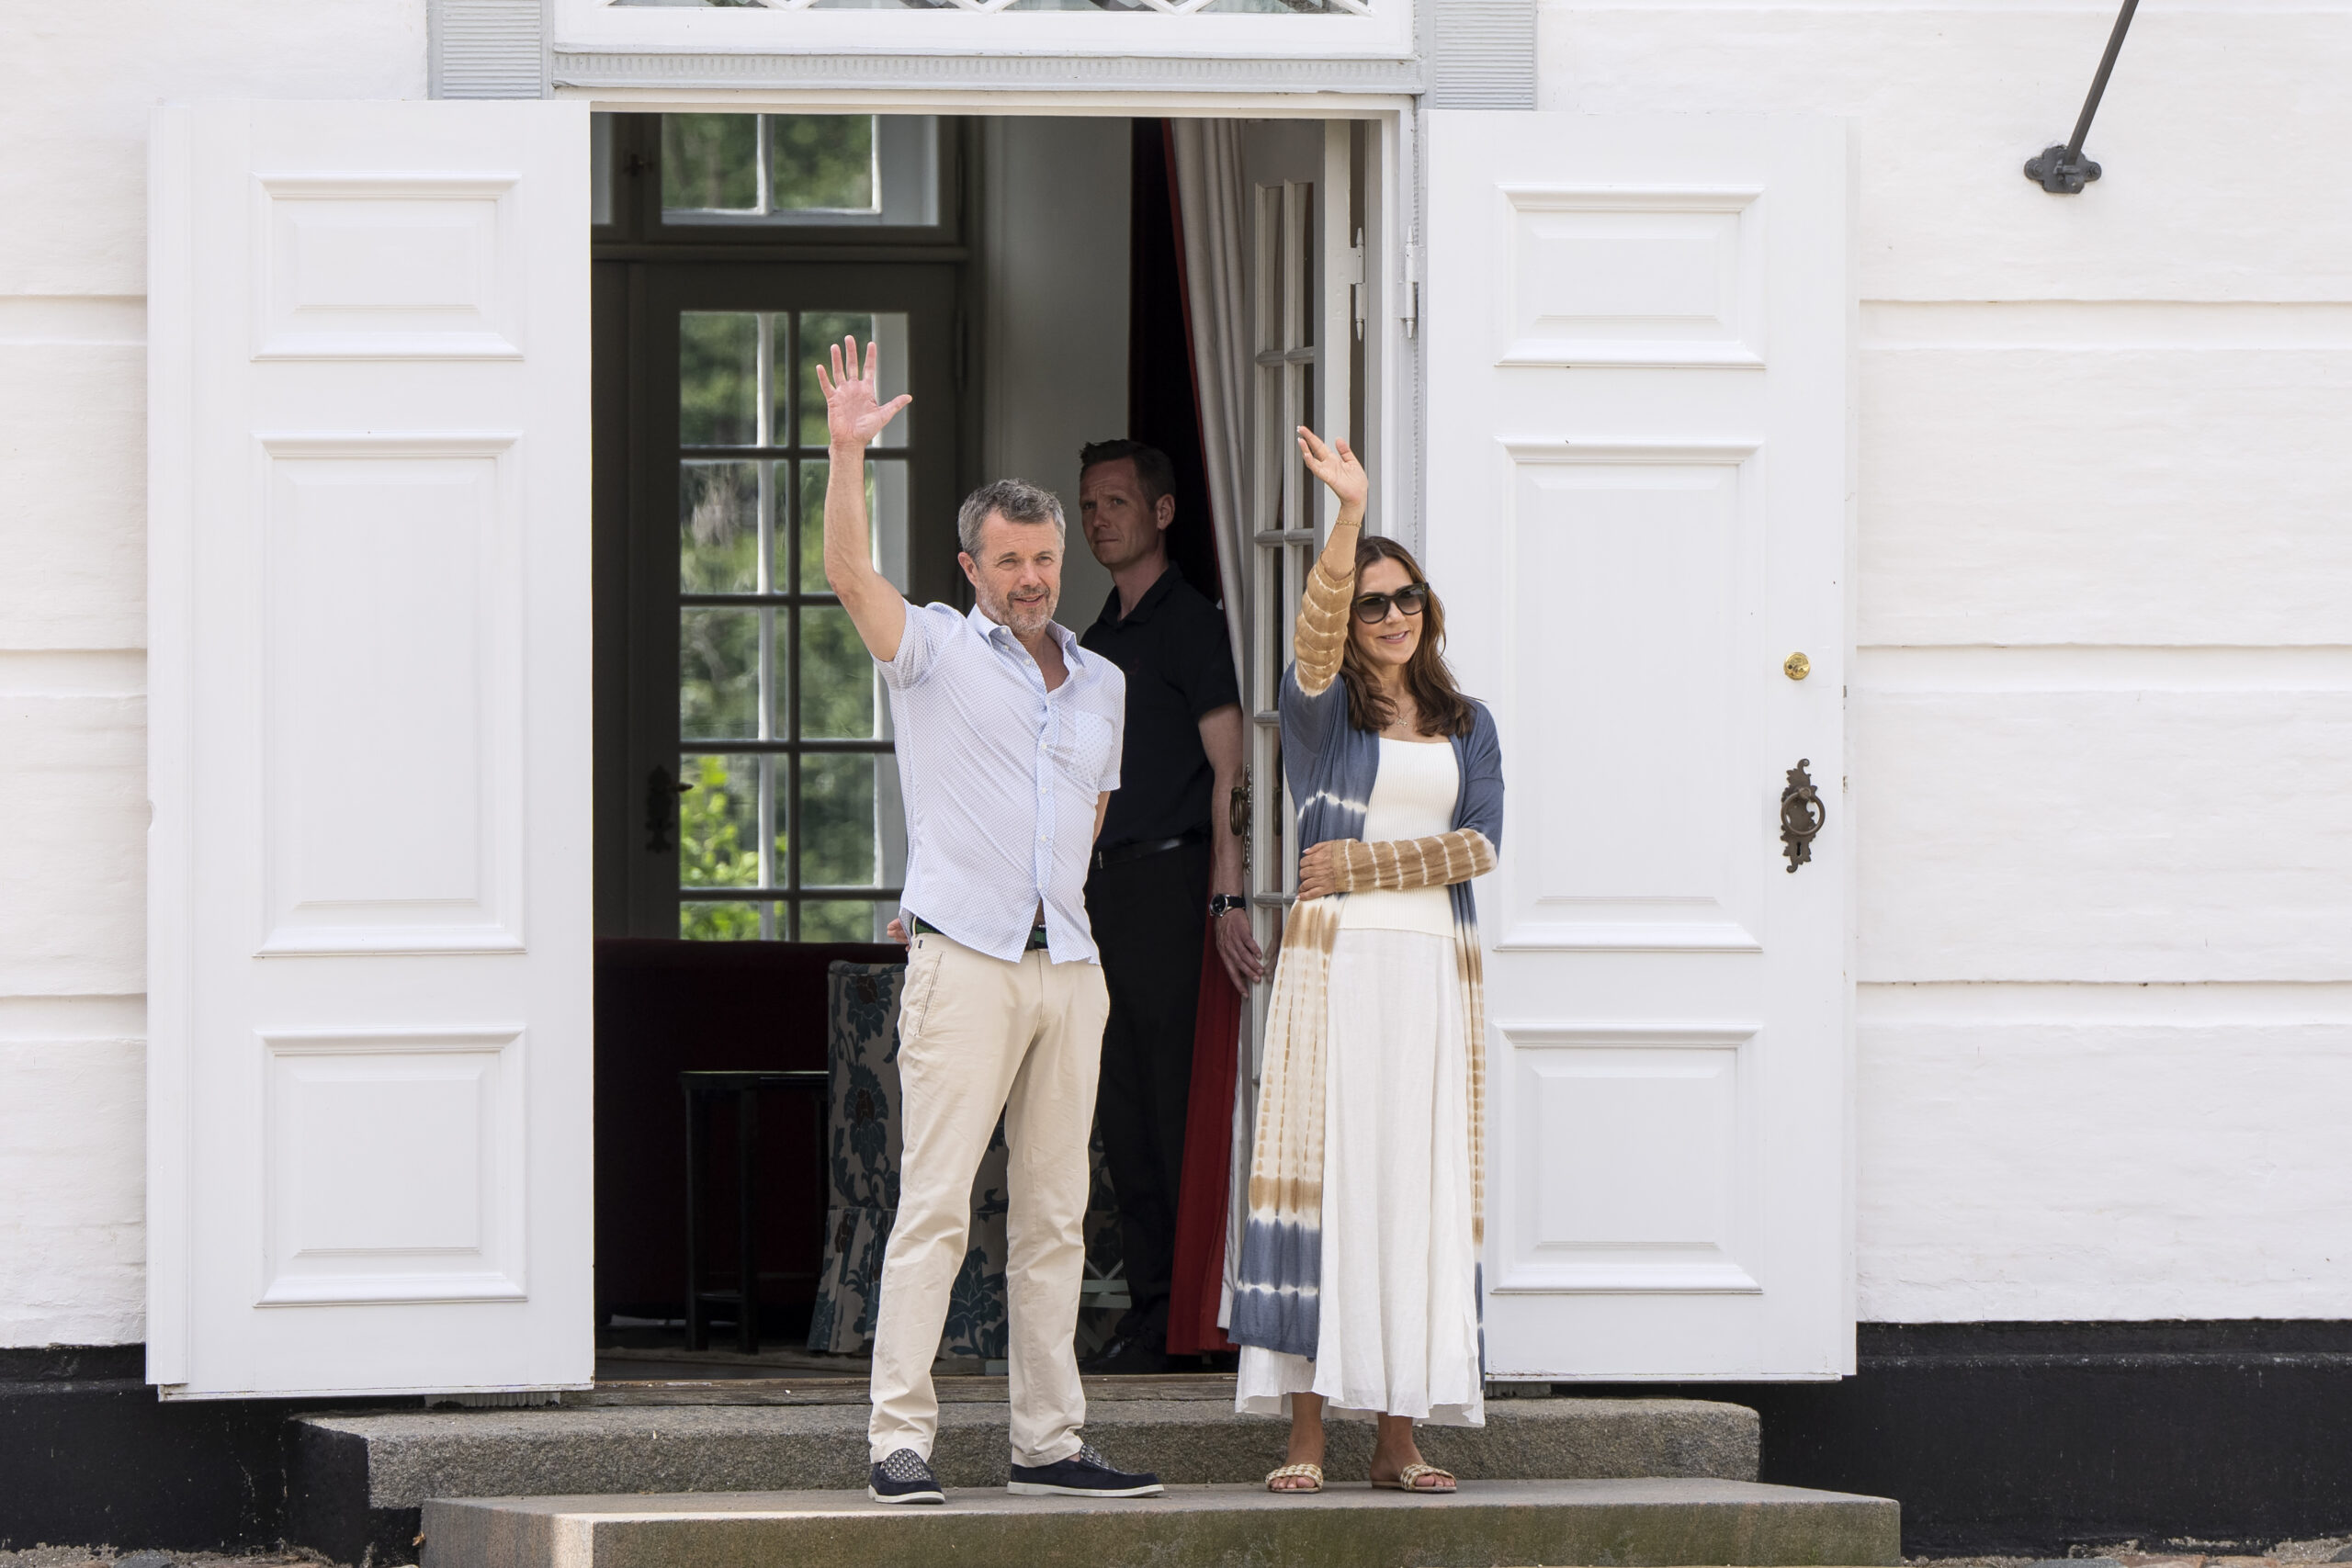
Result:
<point x="1337" y="467"/>
<point x="1322" y="870"/>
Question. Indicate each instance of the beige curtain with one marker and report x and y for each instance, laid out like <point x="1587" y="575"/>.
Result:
<point x="1212" y="201"/>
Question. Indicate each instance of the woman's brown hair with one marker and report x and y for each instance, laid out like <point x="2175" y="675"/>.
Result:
<point x="1444" y="710"/>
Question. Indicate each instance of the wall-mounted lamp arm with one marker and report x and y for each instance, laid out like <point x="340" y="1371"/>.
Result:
<point x="2062" y="170"/>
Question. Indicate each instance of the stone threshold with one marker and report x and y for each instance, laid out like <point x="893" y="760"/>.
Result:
<point x="1631" y="1523"/>
<point x="969" y="1389"/>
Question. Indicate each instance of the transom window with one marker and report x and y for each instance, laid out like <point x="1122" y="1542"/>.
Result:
<point x="789" y="824"/>
<point x="777" y="170"/>
<point x="1147" y="7"/>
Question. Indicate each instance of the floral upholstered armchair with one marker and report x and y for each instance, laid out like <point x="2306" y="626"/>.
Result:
<point x="862" y="1152"/>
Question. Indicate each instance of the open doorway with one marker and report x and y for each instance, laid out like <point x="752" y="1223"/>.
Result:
<point x="1026" y="282"/>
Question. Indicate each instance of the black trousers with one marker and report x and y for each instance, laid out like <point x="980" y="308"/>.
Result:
<point x="1148" y="916"/>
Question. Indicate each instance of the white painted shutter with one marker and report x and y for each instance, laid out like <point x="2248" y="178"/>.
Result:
<point x="1639" y="505"/>
<point x="368" y="1164"/>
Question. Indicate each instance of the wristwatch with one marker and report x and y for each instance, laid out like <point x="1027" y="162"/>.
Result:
<point x="1226" y="903"/>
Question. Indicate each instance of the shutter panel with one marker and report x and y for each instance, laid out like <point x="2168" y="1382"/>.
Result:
<point x="369" y="996"/>
<point x="1637" y="337"/>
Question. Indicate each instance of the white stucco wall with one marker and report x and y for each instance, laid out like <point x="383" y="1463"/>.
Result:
<point x="2103" y="701"/>
<point x="2103" y="705"/>
<point x="76" y="85"/>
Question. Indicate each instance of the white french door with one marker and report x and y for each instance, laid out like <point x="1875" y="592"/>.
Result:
<point x="1638" y="512"/>
<point x="1295" y="173"/>
<point x="369" y="879"/>
<point x="1296" y="178"/>
<point x="369" y="1063"/>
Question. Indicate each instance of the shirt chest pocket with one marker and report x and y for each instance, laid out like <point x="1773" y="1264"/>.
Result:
<point x="1085" y="752"/>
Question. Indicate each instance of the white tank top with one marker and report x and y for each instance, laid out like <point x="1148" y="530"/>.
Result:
<point x="1412" y="797"/>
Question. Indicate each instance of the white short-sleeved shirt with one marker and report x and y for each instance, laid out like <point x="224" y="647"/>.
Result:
<point x="1001" y="778"/>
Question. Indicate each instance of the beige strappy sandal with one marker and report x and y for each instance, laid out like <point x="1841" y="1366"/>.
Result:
<point x="1408" y="1479"/>
<point x="1290" y="1472"/>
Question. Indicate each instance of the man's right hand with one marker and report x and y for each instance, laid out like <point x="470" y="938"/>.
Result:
<point x="855" y="413"/>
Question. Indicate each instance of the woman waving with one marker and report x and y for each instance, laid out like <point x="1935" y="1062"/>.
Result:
<point x="1358" y="1280"/>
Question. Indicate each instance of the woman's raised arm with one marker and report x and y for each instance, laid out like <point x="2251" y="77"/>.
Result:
<point x="1322" y="633"/>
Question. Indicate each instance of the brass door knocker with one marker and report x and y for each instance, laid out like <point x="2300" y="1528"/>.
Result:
<point x="1802" y="816"/>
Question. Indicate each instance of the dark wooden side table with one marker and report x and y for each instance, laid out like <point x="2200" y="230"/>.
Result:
<point x="745" y="1088"/>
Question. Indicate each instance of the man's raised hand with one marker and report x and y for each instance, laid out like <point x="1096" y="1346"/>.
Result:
<point x="855" y="413"/>
<point x="855" y="417"/>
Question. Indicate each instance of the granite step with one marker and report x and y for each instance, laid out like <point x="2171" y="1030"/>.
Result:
<point x="1489" y="1524"/>
<point x="359" y="1481"/>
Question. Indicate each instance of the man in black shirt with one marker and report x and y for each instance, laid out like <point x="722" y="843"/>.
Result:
<point x="1166" y="847"/>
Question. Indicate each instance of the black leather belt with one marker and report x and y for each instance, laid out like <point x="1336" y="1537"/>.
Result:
<point x="1122" y="853"/>
<point x="1036" y="933"/>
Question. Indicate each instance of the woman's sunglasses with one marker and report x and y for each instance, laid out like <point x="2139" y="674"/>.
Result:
<point x="1373" y="608"/>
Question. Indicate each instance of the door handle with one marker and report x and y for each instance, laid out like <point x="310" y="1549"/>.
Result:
<point x="1801" y="814"/>
<point x="661" y="795"/>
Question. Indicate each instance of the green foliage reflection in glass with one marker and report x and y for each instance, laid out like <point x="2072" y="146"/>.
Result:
<point x="737" y="662"/>
<point x="718" y="673"/>
<point x="821" y="163"/>
<point x="710" y="162"/>
<point x="837" y="821"/>
<point x="844" y="919"/>
<point x="755" y="165"/>
<point x="717" y="844"/>
<point x="837" y="677"/>
<point x="719" y="527"/>
<point x="718" y="379"/>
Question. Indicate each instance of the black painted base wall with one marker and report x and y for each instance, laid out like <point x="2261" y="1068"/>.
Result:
<point x="2026" y="1438"/>
<point x="89" y="1456"/>
<point x="1996" y="1437"/>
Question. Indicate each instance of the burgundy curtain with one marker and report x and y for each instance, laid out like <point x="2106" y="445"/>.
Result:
<point x="1197" y="1286"/>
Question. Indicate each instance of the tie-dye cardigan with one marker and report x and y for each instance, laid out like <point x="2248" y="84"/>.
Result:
<point x="1331" y="766"/>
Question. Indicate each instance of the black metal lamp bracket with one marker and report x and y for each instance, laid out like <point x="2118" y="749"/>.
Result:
<point x="2060" y="169"/>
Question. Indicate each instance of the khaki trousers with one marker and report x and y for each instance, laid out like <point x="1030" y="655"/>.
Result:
<point x="978" y="1035"/>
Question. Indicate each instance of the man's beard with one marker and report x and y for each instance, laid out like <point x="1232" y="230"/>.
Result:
<point x="1023" y="619"/>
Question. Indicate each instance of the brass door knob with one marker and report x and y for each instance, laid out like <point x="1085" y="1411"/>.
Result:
<point x="1796" y="667"/>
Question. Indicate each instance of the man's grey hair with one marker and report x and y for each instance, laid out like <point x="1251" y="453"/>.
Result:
<point x="1017" y="500"/>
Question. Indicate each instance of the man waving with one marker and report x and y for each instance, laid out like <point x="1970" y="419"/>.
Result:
<point x="1008" y="740"/>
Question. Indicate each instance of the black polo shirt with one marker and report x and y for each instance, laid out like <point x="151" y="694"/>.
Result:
<point x="1178" y="666"/>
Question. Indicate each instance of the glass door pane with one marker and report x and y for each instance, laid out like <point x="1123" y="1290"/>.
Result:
<point x="790" y="825"/>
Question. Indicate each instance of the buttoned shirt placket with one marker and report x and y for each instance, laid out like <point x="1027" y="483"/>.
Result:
<point x="1047" y="723"/>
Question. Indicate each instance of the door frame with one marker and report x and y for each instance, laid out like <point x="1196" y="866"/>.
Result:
<point x="657" y="292"/>
<point x="1383" y="402"/>
<point x="1393" y="389"/>
<point x="1378" y="396"/>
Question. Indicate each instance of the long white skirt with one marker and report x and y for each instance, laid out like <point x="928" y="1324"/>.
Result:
<point x="1399" y="1323"/>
